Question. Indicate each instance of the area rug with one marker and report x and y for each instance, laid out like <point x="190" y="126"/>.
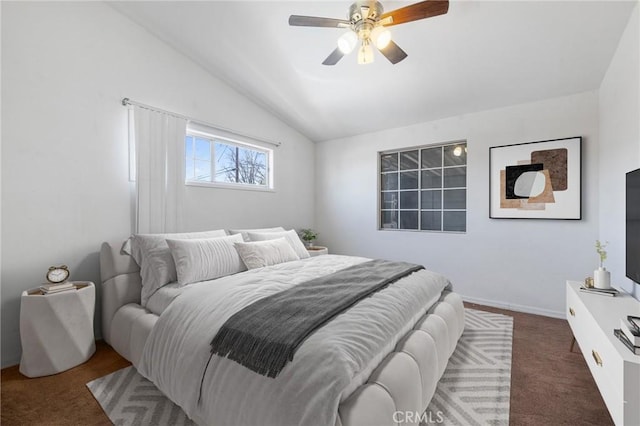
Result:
<point x="476" y="386"/>
<point x="474" y="389"/>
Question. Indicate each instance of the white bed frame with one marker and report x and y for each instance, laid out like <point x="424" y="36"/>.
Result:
<point x="405" y="380"/>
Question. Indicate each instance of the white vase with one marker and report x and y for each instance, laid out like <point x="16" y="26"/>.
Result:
<point x="601" y="278"/>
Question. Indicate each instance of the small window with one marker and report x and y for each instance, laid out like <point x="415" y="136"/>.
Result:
<point x="221" y="162"/>
<point x="424" y="188"/>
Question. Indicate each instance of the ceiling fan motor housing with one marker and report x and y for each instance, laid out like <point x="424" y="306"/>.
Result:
<point x="364" y="16"/>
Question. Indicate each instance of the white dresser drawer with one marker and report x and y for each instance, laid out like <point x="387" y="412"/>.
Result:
<point x="615" y="370"/>
<point x="607" y="370"/>
<point x="606" y="366"/>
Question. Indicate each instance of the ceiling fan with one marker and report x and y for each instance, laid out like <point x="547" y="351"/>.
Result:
<point x="367" y="22"/>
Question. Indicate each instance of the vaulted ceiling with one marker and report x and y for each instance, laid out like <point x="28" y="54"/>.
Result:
<point x="480" y="55"/>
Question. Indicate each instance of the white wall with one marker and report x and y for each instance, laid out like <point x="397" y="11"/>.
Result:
<point x="65" y="189"/>
<point x="520" y="264"/>
<point x="619" y="145"/>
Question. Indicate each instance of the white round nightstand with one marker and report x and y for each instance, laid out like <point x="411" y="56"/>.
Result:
<point x="56" y="330"/>
<point x="317" y="250"/>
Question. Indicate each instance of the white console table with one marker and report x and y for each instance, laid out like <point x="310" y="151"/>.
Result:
<point x="615" y="369"/>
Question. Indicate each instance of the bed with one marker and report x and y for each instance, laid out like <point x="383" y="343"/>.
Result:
<point x="397" y="371"/>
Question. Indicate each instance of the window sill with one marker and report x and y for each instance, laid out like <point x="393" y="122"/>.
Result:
<point x="229" y="186"/>
<point x="421" y="230"/>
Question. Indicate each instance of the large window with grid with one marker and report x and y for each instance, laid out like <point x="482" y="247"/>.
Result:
<point x="424" y="188"/>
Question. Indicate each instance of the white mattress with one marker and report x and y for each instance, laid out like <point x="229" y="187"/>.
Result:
<point x="159" y="300"/>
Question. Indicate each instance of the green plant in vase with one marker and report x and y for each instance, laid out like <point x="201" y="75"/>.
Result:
<point x="308" y="236"/>
<point x="601" y="277"/>
<point x="600" y="249"/>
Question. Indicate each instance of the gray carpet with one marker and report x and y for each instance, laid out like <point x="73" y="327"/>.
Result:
<point x="474" y="389"/>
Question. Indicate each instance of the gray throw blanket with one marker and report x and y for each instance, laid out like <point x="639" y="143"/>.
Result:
<point x="265" y="335"/>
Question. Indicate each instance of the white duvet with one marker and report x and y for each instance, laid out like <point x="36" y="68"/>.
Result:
<point x="326" y="369"/>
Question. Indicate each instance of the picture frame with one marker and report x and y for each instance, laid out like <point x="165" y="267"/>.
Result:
<point x="536" y="180"/>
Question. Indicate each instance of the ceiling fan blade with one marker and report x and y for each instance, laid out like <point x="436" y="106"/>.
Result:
<point x="414" y="12"/>
<point x="393" y="52"/>
<point x="333" y="59"/>
<point x="316" y="21"/>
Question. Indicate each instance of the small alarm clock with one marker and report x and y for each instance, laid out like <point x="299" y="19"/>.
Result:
<point x="58" y="274"/>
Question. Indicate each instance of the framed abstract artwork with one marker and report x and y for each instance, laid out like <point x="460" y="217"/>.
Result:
<point x="536" y="180"/>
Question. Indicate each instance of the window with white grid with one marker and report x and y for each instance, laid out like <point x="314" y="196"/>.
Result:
<point x="424" y="188"/>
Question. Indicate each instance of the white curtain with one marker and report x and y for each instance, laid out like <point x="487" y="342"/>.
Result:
<point x="159" y="150"/>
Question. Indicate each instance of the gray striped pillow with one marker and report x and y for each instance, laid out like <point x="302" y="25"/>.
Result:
<point x="291" y="236"/>
<point x="206" y="259"/>
<point x="259" y="254"/>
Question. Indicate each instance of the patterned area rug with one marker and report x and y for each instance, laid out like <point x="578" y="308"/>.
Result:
<point x="476" y="386"/>
<point x="474" y="389"/>
<point x="128" y="399"/>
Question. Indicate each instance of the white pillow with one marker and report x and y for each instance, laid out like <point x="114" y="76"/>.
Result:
<point x="159" y="270"/>
<point x="291" y="237"/>
<point x="151" y="253"/>
<point x="244" y="232"/>
<point x="142" y="243"/>
<point x="266" y="253"/>
<point x="205" y="259"/>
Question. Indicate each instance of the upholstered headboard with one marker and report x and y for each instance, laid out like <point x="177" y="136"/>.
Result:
<point x="120" y="276"/>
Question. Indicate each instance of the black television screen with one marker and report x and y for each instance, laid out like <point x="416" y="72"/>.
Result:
<point x="633" y="225"/>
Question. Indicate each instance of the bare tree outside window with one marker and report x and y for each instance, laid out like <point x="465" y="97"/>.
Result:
<point x="240" y="165"/>
<point x="213" y="160"/>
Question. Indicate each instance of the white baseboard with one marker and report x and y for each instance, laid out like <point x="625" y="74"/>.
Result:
<point x="517" y="308"/>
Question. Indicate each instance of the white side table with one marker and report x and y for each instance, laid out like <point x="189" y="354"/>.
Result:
<point x="56" y="330"/>
<point x="317" y="250"/>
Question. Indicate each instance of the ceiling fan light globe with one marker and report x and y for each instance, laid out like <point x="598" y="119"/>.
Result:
<point x="365" y="54"/>
<point x="347" y="42"/>
<point x="381" y="37"/>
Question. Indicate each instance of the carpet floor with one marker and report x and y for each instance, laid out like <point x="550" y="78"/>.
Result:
<point x="549" y="384"/>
